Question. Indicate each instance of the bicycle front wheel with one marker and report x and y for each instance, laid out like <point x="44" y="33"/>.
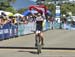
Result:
<point x="38" y="45"/>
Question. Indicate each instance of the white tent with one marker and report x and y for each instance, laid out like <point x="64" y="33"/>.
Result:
<point x="8" y="13"/>
<point x="18" y="14"/>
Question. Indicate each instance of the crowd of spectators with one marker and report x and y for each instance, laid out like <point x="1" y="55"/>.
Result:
<point x="4" y="19"/>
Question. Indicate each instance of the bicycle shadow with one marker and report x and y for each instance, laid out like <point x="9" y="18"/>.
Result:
<point x="32" y="52"/>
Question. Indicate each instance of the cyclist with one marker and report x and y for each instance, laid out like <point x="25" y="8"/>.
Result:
<point x="39" y="28"/>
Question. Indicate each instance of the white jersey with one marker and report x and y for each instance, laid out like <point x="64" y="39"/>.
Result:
<point x="40" y="18"/>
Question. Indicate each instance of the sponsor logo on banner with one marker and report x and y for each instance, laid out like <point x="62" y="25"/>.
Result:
<point x="6" y="31"/>
<point x="10" y="32"/>
<point x="57" y="7"/>
<point x="1" y="31"/>
<point x="58" y="14"/>
<point x="58" y="11"/>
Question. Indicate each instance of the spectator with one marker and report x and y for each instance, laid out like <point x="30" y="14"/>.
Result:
<point x="51" y="20"/>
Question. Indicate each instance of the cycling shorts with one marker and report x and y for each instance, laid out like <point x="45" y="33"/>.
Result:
<point x="39" y="25"/>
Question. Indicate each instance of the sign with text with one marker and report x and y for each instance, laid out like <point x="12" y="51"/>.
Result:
<point x="58" y="11"/>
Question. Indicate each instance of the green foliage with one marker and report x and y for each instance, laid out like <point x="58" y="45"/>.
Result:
<point x="11" y="9"/>
<point x="5" y="5"/>
<point x="51" y="7"/>
<point x="68" y="8"/>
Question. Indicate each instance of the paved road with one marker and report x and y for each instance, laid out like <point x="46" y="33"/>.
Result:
<point x="61" y="43"/>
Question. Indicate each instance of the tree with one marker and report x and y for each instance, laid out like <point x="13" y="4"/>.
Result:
<point x="5" y="5"/>
<point x="51" y="7"/>
<point x="68" y="7"/>
<point x="11" y="9"/>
